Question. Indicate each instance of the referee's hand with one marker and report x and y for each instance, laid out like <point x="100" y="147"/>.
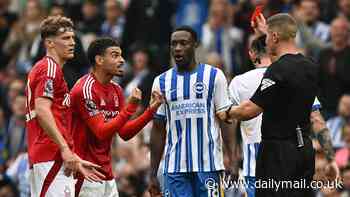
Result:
<point x="259" y="26"/>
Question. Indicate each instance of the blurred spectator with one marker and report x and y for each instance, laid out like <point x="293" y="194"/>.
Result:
<point x="346" y="179"/>
<point x="141" y="75"/>
<point x="192" y="13"/>
<point x="214" y="59"/>
<point x="19" y="174"/>
<point x="23" y="36"/>
<point x="330" y="192"/>
<point x="134" y="162"/>
<point x="334" y="68"/>
<point x="313" y="33"/>
<point x="342" y="156"/>
<point x="56" y="10"/>
<point x="344" y="8"/>
<point x="15" y="134"/>
<point x="113" y="26"/>
<point x="15" y="86"/>
<point x="3" y="150"/>
<point x="219" y="36"/>
<point x="72" y="7"/>
<point x="92" y="20"/>
<point x="7" y="188"/>
<point x="149" y="21"/>
<point x="7" y="19"/>
<point x="337" y="124"/>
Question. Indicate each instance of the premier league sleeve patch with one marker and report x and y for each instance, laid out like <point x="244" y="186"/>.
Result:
<point x="48" y="88"/>
<point x="91" y="107"/>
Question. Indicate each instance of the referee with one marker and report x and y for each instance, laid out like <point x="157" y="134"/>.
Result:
<point x="285" y="95"/>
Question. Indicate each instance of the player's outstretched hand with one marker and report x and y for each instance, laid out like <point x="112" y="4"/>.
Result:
<point x="259" y="26"/>
<point x="69" y="161"/>
<point x="154" y="188"/>
<point x="135" y="96"/>
<point x="332" y="171"/>
<point x="89" y="170"/>
<point x="156" y="99"/>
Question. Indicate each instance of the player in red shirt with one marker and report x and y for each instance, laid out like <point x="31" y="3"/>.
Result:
<point x="99" y="112"/>
<point x="48" y="117"/>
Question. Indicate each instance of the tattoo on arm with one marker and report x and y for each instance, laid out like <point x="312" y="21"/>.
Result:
<point x="325" y="141"/>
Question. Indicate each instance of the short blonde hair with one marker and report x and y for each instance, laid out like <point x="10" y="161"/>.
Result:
<point x="54" y="25"/>
<point x="284" y="25"/>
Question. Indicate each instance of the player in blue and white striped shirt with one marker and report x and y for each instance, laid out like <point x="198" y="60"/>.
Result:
<point x="196" y="98"/>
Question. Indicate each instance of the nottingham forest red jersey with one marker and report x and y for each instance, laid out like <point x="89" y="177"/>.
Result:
<point x="46" y="80"/>
<point x="90" y="98"/>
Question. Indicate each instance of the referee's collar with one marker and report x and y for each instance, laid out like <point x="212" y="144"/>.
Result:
<point x="261" y="67"/>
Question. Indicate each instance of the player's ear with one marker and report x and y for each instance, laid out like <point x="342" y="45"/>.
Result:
<point x="275" y="37"/>
<point x="48" y="43"/>
<point x="99" y="59"/>
<point x="252" y="55"/>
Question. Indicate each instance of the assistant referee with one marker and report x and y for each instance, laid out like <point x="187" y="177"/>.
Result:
<point x="285" y="95"/>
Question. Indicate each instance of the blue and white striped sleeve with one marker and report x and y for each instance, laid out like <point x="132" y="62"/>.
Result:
<point x="221" y="98"/>
<point x="233" y="91"/>
<point x="160" y="114"/>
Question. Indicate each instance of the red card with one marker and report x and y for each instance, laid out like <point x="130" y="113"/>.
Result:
<point x="257" y="12"/>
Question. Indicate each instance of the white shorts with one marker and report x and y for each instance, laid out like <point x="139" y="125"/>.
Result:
<point x="47" y="179"/>
<point x="94" y="189"/>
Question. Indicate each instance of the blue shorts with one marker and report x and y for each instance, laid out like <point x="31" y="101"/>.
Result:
<point x="193" y="184"/>
<point x="250" y="185"/>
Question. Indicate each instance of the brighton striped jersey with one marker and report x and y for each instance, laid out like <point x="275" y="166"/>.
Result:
<point x="194" y="142"/>
<point x="242" y="88"/>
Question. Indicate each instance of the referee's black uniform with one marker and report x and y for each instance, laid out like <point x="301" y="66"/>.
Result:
<point x="286" y="94"/>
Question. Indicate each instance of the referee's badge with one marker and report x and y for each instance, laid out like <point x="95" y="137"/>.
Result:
<point x="266" y="83"/>
<point x="199" y="87"/>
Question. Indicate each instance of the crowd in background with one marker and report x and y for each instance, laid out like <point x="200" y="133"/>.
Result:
<point x="143" y="28"/>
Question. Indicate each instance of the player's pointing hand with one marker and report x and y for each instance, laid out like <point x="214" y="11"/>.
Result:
<point x="156" y="100"/>
<point x="135" y="96"/>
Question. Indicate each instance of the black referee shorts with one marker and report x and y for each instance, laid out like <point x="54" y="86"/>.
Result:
<point x="284" y="170"/>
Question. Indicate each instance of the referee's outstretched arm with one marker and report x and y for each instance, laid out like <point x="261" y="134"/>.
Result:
<point x="245" y="111"/>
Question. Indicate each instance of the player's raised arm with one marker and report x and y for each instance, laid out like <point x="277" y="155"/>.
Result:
<point x="132" y="127"/>
<point x="104" y="130"/>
